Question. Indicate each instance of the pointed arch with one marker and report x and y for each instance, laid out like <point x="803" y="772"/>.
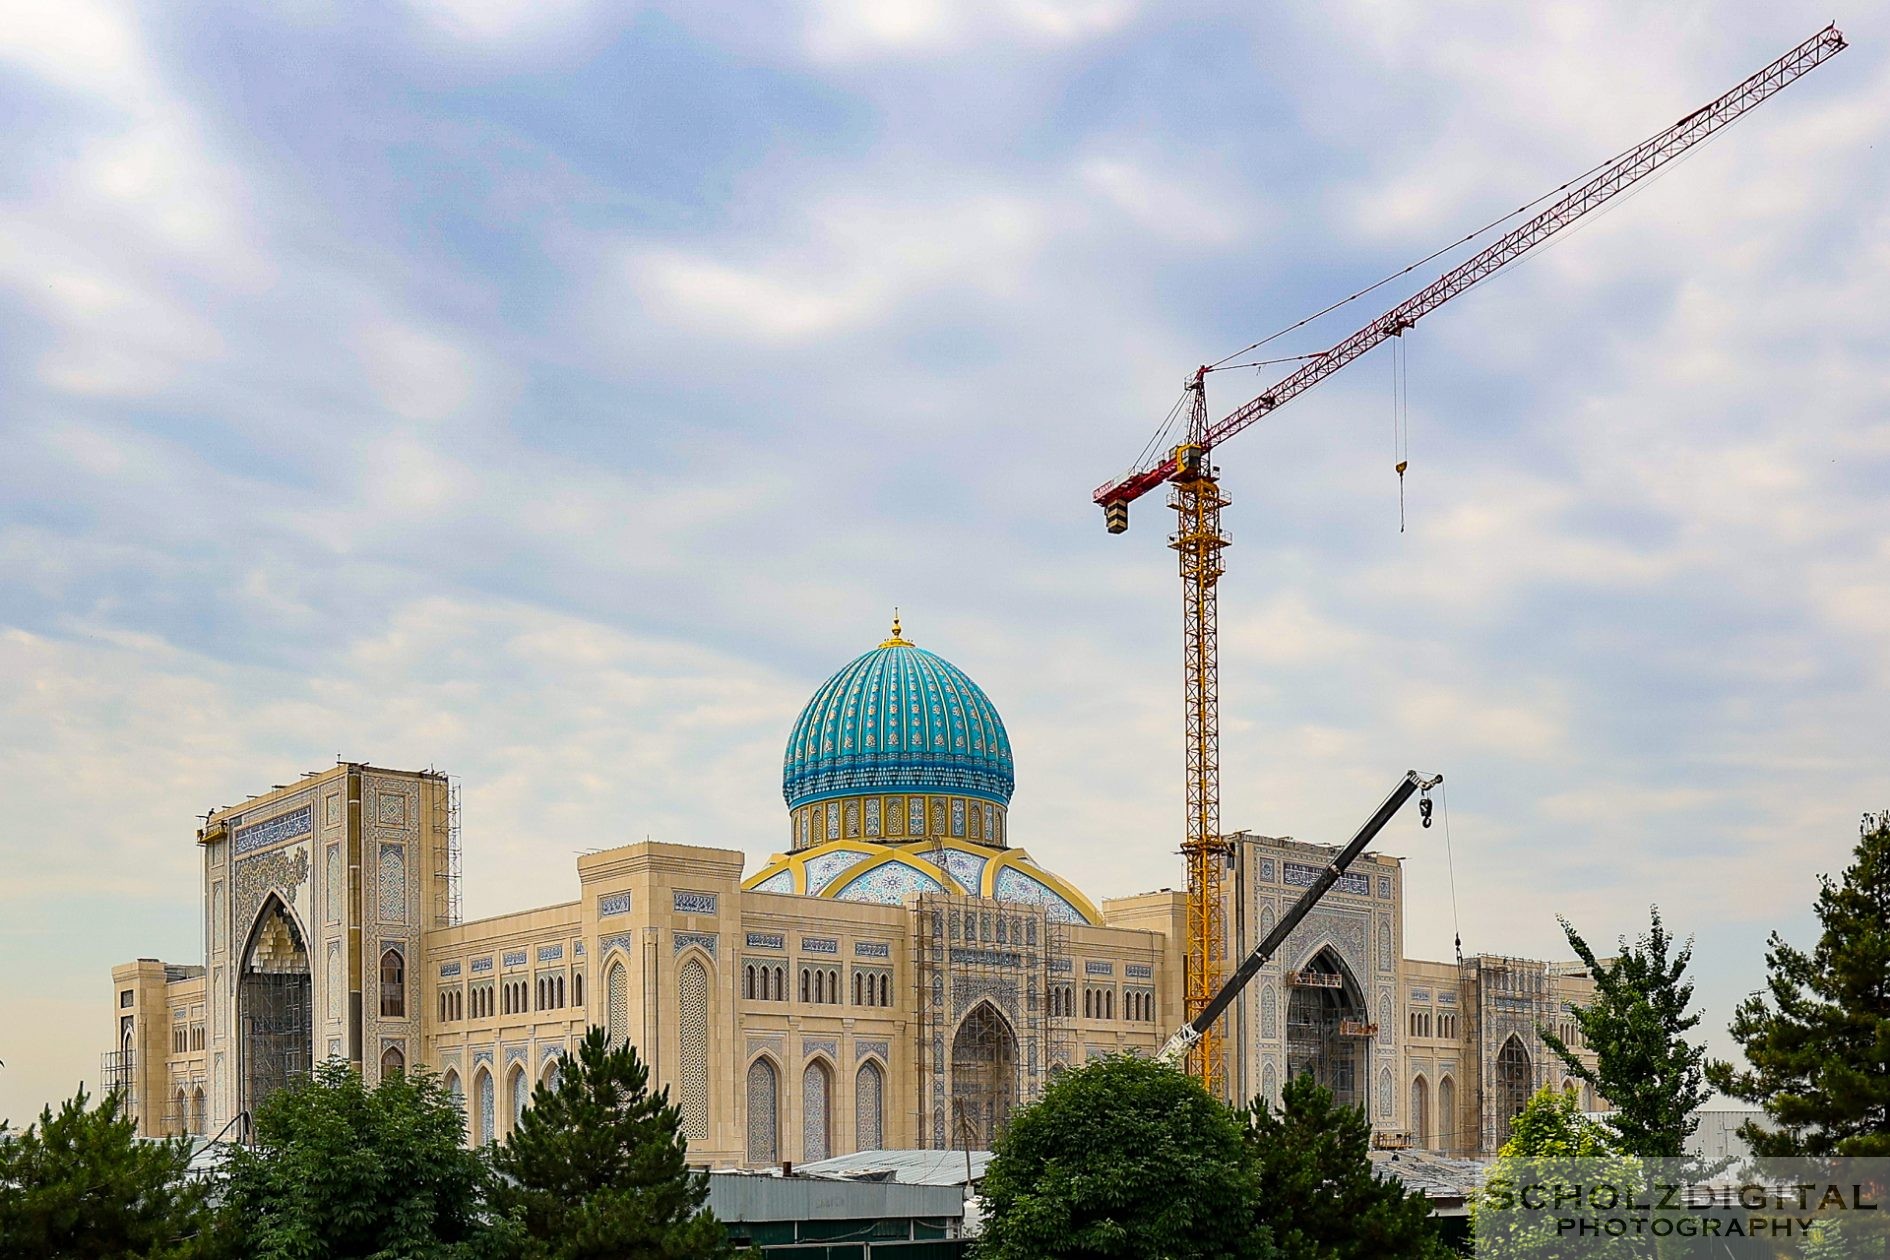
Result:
<point x="1421" y="1111"/>
<point x="393" y="1060"/>
<point x="617" y="1001"/>
<point x="274" y="999"/>
<point x="197" y="1121"/>
<point x="764" y="1111"/>
<point x="456" y="1090"/>
<point x="518" y="1092"/>
<point x="816" y="1109"/>
<point x="984" y="1071"/>
<point x="869" y="1107"/>
<point x="1447" y="1139"/>
<point x="1317" y="1038"/>
<point x="1515" y="1081"/>
<point x="692" y="1005"/>
<point x="393" y="983"/>
<point x="488" y="1117"/>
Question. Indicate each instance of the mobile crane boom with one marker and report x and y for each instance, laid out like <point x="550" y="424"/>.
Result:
<point x="1177" y="1046"/>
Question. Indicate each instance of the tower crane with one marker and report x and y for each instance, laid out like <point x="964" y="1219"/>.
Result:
<point x="1197" y="499"/>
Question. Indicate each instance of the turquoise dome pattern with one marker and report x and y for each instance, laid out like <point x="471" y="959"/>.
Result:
<point x="898" y="719"/>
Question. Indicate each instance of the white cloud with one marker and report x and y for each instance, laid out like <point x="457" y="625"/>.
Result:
<point x="846" y="30"/>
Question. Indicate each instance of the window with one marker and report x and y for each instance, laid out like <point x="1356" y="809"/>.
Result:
<point x="577" y="988"/>
<point x="393" y="985"/>
<point x="124" y="999"/>
<point x="392" y="1061"/>
<point x="617" y="1003"/>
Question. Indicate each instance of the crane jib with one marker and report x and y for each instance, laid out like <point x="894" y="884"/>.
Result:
<point x="1615" y="177"/>
<point x="1264" y="951"/>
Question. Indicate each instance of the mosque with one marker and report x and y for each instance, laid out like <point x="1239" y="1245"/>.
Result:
<point x="903" y="976"/>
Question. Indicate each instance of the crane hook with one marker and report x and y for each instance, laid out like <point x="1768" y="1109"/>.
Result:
<point x="1424" y="808"/>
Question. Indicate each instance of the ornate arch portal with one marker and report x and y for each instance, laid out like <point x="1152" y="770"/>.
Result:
<point x="1325" y="1029"/>
<point x="274" y="1006"/>
<point x="984" y="1077"/>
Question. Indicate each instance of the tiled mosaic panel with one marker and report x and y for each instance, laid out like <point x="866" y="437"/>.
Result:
<point x="890" y="884"/>
<point x="488" y="1111"/>
<point x="617" y="1003"/>
<point x="816" y="1111"/>
<point x="779" y="882"/>
<point x="393" y="884"/>
<point x="693" y="1006"/>
<point x="289" y="826"/>
<point x="822" y="870"/>
<point x="869" y="1096"/>
<point x="764" y="1102"/>
<point x="1013" y="885"/>
<point x="967" y="869"/>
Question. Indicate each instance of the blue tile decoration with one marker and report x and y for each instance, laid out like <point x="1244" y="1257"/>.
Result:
<point x="1138" y="971"/>
<point x="966" y="869"/>
<point x="449" y="970"/>
<point x="897" y="718"/>
<point x="1059" y="964"/>
<point x="1299" y="875"/>
<point x="820" y="945"/>
<point x="702" y="940"/>
<point x="481" y="1056"/>
<point x="513" y="958"/>
<point x="577" y="949"/>
<point x="872" y="949"/>
<point x="622" y="940"/>
<point x="766" y="940"/>
<point x="958" y="817"/>
<point x="915" y="816"/>
<point x="686" y="902"/>
<point x="872" y="816"/>
<point x="823" y="868"/>
<point x="514" y="1054"/>
<point x="278" y="830"/>
<point x="481" y="965"/>
<point x="613" y="904"/>
<point x="1384" y="886"/>
<point x="986" y="958"/>
<point x="863" y="1047"/>
<point x="1420" y="995"/>
<point x="888" y="885"/>
<point x="814" y="1045"/>
<point x="1013" y="884"/>
<point x="1266" y="870"/>
<point x="782" y="881"/>
<point x="550" y="953"/>
<point x="1094" y="968"/>
<point x="833" y="820"/>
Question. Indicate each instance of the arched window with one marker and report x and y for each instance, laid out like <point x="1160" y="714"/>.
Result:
<point x="617" y="1003"/>
<point x="180" y="1114"/>
<point x="692" y="991"/>
<point x="1446" y="1114"/>
<point x="1515" y="1081"/>
<point x="197" y="1125"/>
<point x="392" y="1061"/>
<point x="1421" y="1110"/>
<point x="807" y="984"/>
<point x="457" y="1093"/>
<point x="816" y="1111"/>
<point x="748" y="981"/>
<point x="764" y="1112"/>
<point x="488" y="1113"/>
<point x="885" y="990"/>
<point x="520" y="1091"/>
<point x="393" y="985"/>
<point x="859" y="984"/>
<point x="869" y="1103"/>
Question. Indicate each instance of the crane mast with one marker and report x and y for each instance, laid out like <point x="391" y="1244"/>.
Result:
<point x="1198" y="501"/>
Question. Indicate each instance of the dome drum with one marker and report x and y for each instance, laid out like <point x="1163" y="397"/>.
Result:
<point x="898" y="818"/>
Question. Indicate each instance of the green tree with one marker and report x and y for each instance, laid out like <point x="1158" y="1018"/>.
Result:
<point x="1319" y="1194"/>
<point x="1818" y="1052"/>
<point x="1551" y="1143"/>
<point x="341" y="1170"/>
<point x="1637" y="1026"/>
<point x="1551" y="1126"/>
<point x="81" y="1184"/>
<point x="1123" y="1158"/>
<point x="596" y="1167"/>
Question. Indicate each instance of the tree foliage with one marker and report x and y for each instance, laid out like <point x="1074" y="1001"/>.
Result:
<point x="1551" y="1126"/>
<point x="1817" y="1043"/>
<point x="1551" y="1143"/>
<point x="1637" y="1026"/>
<point x="1319" y="1194"/>
<point x="1123" y="1158"/>
<point x="596" y="1167"/>
<point x="341" y="1170"/>
<point x="80" y="1184"/>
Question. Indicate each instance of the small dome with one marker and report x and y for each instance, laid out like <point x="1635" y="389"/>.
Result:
<point x="899" y="719"/>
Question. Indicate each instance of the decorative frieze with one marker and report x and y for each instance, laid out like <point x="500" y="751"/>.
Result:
<point x="872" y="949"/>
<point x="766" y="940"/>
<point x="820" y="945"/>
<point x="515" y="958"/>
<point x="481" y="965"/>
<point x="449" y="969"/>
<point x="1299" y="875"/>
<point x="550" y="953"/>
<point x="701" y="940"/>
<point x="1094" y="968"/>
<point x="1138" y="971"/>
<point x="686" y="902"/>
<point x="862" y="1048"/>
<point x="611" y="904"/>
<point x="278" y="830"/>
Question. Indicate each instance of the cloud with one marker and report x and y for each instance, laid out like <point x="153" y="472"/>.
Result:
<point x="853" y="29"/>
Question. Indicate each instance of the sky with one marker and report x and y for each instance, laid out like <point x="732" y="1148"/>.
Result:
<point x="555" y="393"/>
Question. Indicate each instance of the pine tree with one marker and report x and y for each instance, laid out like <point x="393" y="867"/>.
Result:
<point x="1818" y="1051"/>
<point x="82" y="1184"/>
<point x="1319" y="1194"/>
<point x="596" y="1167"/>
<point x="1637" y="1026"/>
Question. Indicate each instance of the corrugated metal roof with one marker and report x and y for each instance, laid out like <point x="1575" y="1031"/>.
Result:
<point x="911" y="1168"/>
<point x="768" y="1196"/>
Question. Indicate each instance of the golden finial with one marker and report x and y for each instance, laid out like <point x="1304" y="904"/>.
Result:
<point x="897" y="640"/>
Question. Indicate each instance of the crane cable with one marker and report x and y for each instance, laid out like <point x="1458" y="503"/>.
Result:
<point x="1400" y="416"/>
<point x="1450" y="863"/>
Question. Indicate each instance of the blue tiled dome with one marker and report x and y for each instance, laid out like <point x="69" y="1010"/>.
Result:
<point x="898" y="718"/>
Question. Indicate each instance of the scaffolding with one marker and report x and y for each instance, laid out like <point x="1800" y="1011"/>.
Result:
<point x="993" y="1015"/>
<point x="1513" y="1002"/>
<point x="275" y="1008"/>
<point x="448" y="910"/>
<point x="1325" y="1027"/>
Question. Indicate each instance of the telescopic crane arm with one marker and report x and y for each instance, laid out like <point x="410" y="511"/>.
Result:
<point x="1616" y="177"/>
<point x="1189" y="1033"/>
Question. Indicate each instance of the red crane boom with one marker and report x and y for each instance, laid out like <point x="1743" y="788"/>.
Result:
<point x="1641" y="161"/>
